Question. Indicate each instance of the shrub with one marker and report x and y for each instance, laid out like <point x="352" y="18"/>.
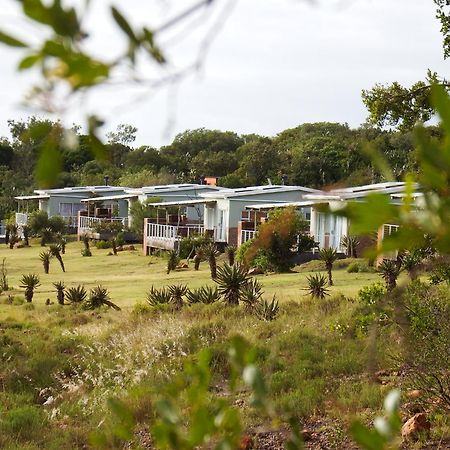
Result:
<point x="158" y="296"/>
<point x="205" y="294"/>
<point x="231" y="281"/>
<point x="76" y="294"/>
<point x="24" y="422"/>
<point x="190" y="244"/>
<point x="440" y="273"/>
<point x="57" y="224"/>
<point x="177" y="292"/>
<point x="389" y="270"/>
<point x="353" y="268"/>
<point x="103" y="244"/>
<point x="251" y="294"/>
<point x="372" y="294"/>
<point x="267" y="311"/>
<point x="99" y="296"/>
<point x="173" y="261"/>
<point x="317" y="285"/>
<point x="37" y="221"/>
<point x="108" y="226"/>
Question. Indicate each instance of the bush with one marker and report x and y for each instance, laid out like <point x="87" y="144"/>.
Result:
<point x="353" y="268"/>
<point x="103" y="244"/>
<point x="57" y="224"/>
<point x="24" y="422"/>
<point x="372" y="294"/>
<point x="189" y="244"/>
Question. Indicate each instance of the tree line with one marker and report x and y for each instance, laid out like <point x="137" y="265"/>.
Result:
<point x="312" y="154"/>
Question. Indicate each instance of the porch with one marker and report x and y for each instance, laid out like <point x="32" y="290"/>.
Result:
<point x="168" y="237"/>
<point x="95" y="227"/>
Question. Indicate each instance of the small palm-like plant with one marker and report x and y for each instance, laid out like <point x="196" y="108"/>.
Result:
<point x="76" y="294"/>
<point x="350" y="244"/>
<point x="210" y="252"/>
<point x="412" y="262"/>
<point x="230" y="251"/>
<point x="99" y="296"/>
<point x="177" y="292"/>
<point x="317" y="286"/>
<point x="328" y="256"/>
<point x="60" y="291"/>
<point x="55" y="250"/>
<point x="45" y="257"/>
<point x="231" y="281"/>
<point x="114" y="246"/>
<point x="157" y="297"/>
<point x="173" y="261"/>
<point x="29" y="282"/>
<point x="389" y="270"/>
<point x="26" y="235"/>
<point x="205" y="294"/>
<point x="62" y="242"/>
<point x="266" y="310"/>
<point x="251" y="294"/>
<point x="199" y="256"/>
<point x="47" y="236"/>
<point x="87" y="248"/>
<point x="13" y="236"/>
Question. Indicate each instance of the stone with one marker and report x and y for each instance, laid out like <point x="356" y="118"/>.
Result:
<point x="255" y="271"/>
<point x="416" y="424"/>
<point x="306" y="435"/>
<point x="415" y="393"/>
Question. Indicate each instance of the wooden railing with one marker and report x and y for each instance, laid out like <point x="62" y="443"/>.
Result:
<point x="86" y="223"/>
<point x="246" y="235"/>
<point x="21" y="218"/>
<point x="172" y="232"/>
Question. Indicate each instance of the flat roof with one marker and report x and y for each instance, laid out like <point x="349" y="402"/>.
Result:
<point x="32" y="197"/>
<point x="80" y="189"/>
<point x="183" y="202"/>
<point x="173" y="188"/>
<point x="282" y="205"/>
<point x="258" y="190"/>
<point x="109" y="197"/>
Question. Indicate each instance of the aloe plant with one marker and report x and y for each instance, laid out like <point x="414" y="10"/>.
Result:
<point x="199" y="256"/>
<point x="204" y="294"/>
<point x="389" y="270"/>
<point x="231" y="281"/>
<point x="328" y="256"/>
<point x="266" y="310"/>
<point x="60" y="291"/>
<point x="317" y="286"/>
<point x="99" y="296"/>
<point x="47" y="236"/>
<point x="350" y="244"/>
<point x="177" y="292"/>
<point x="230" y="251"/>
<point x="87" y="248"/>
<point x="210" y="252"/>
<point x="251" y="294"/>
<point x="26" y="235"/>
<point x="30" y="282"/>
<point x="55" y="250"/>
<point x="157" y="297"/>
<point x="76" y="294"/>
<point x="173" y="261"/>
<point x="45" y="256"/>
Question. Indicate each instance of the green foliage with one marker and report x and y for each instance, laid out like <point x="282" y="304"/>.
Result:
<point x="230" y="251"/>
<point x="103" y="244"/>
<point x="350" y="244"/>
<point x="317" y="286"/>
<point x="276" y="240"/>
<point x="440" y="273"/>
<point x="177" y="292"/>
<point x="76" y="294"/>
<point x="193" y="244"/>
<point x="157" y="297"/>
<point x="428" y="309"/>
<point x="251" y="294"/>
<point x="389" y="270"/>
<point x="386" y="429"/>
<point x="204" y="294"/>
<point x="231" y="281"/>
<point x="372" y="294"/>
<point x="45" y="257"/>
<point x="328" y="256"/>
<point x="139" y="211"/>
<point x="99" y="296"/>
<point x="60" y="291"/>
<point x="172" y="261"/>
<point x="29" y="282"/>
<point x="266" y="310"/>
<point x="209" y="249"/>
<point x="55" y="250"/>
<point x="108" y="226"/>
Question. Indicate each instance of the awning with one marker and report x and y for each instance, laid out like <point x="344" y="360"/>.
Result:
<point x="183" y="203"/>
<point x="109" y="197"/>
<point x="32" y="197"/>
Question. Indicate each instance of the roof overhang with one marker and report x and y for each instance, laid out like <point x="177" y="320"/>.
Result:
<point x="109" y="197"/>
<point x="32" y="197"/>
<point x="267" y="206"/>
<point x="183" y="203"/>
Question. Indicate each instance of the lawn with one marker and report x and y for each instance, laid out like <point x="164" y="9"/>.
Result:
<point x="129" y="275"/>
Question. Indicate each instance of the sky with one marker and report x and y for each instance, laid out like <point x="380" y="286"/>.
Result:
<point x="270" y="64"/>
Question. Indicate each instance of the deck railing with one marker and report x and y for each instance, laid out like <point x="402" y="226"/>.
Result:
<point x="21" y="219"/>
<point x="246" y="235"/>
<point x="172" y="232"/>
<point x="86" y="223"/>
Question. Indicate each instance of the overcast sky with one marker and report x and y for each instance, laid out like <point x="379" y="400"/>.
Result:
<point x="274" y="65"/>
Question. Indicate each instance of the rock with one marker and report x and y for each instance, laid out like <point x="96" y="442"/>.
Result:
<point x="255" y="271"/>
<point x="415" y="393"/>
<point x="416" y="424"/>
<point x="183" y="266"/>
<point x="306" y="435"/>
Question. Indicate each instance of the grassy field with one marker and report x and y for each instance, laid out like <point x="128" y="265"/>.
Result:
<point x="58" y="365"/>
<point x="129" y="275"/>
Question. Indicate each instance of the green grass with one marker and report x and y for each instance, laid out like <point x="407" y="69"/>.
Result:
<point x="129" y="275"/>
